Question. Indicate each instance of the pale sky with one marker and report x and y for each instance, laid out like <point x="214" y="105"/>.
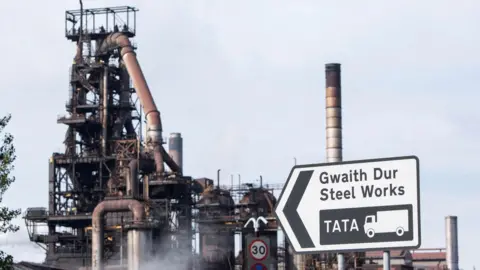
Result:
<point x="243" y="81"/>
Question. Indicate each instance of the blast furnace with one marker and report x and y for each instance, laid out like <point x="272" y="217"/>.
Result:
<point x="111" y="199"/>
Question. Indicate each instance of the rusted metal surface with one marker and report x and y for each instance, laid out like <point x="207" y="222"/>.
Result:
<point x="132" y="183"/>
<point x="216" y="240"/>
<point x="215" y="196"/>
<point x="125" y="149"/>
<point x="263" y="200"/>
<point x="154" y="125"/>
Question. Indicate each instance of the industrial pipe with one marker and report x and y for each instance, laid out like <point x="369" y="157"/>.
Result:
<point x="451" y="232"/>
<point x="175" y="148"/>
<point x="131" y="183"/>
<point x="138" y="242"/>
<point x="138" y="212"/>
<point x="105" y="111"/>
<point x="152" y="115"/>
<point x="170" y="162"/>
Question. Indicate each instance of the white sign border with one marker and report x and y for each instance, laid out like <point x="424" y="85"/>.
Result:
<point x="283" y="197"/>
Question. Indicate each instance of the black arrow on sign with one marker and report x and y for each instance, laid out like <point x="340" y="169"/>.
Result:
<point x="290" y="210"/>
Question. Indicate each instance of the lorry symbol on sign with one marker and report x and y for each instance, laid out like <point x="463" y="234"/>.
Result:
<point x="393" y="221"/>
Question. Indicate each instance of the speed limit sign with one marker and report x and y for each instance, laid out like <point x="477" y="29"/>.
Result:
<point x="258" y="250"/>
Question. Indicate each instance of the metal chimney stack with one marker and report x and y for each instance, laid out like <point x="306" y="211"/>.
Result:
<point x="451" y="232"/>
<point x="175" y="148"/>
<point x="333" y="107"/>
<point x="334" y="112"/>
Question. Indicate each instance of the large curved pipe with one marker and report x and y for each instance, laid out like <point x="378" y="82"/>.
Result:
<point x="134" y="206"/>
<point x="152" y="115"/>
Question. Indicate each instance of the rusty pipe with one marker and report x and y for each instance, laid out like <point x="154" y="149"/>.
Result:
<point x="152" y="115"/>
<point x="98" y="215"/>
<point x="131" y="183"/>
<point x="170" y="162"/>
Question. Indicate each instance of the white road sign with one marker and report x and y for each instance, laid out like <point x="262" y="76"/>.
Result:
<point x="258" y="250"/>
<point x="354" y="205"/>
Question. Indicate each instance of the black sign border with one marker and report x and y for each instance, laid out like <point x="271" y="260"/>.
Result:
<point x="305" y="166"/>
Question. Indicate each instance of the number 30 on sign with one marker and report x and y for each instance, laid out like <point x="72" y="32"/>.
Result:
<point x="258" y="250"/>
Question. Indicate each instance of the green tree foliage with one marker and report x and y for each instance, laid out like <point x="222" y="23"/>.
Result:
<point x="7" y="157"/>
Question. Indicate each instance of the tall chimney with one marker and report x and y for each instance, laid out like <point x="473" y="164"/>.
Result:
<point x="333" y="112"/>
<point x="175" y="148"/>
<point x="333" y="107"/>
<point x="451" y="232"/>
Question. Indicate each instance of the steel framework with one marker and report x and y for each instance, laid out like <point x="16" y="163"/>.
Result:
<point x="104" y="134"/>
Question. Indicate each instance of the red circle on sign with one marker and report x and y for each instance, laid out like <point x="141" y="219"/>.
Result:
<point x="252" y="246"/>
<point x="258" y="266"/>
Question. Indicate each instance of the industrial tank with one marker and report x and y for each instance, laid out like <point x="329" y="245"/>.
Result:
<point x="217" y="241"/>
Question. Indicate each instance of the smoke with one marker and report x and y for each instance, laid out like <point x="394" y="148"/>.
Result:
<point x="175" y="259"/>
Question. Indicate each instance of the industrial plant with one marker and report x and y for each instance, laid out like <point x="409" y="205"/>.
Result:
<point x="119" y="197"/>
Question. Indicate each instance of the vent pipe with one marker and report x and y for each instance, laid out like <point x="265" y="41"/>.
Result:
<point x="175" y="148"/>
<point x="451" y="232"/>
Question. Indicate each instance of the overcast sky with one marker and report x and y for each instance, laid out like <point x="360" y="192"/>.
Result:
<point x="244" y="83"/>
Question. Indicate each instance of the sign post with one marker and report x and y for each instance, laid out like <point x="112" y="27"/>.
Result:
<point x="386" y="260"/>
<point x="352" y="206"/>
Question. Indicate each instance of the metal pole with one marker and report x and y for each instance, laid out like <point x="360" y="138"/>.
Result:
<point x="386" y="260"/>
<point x="333" y="106"/>
<point x="340" y="261"/>
<point x="121" y="241"/>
